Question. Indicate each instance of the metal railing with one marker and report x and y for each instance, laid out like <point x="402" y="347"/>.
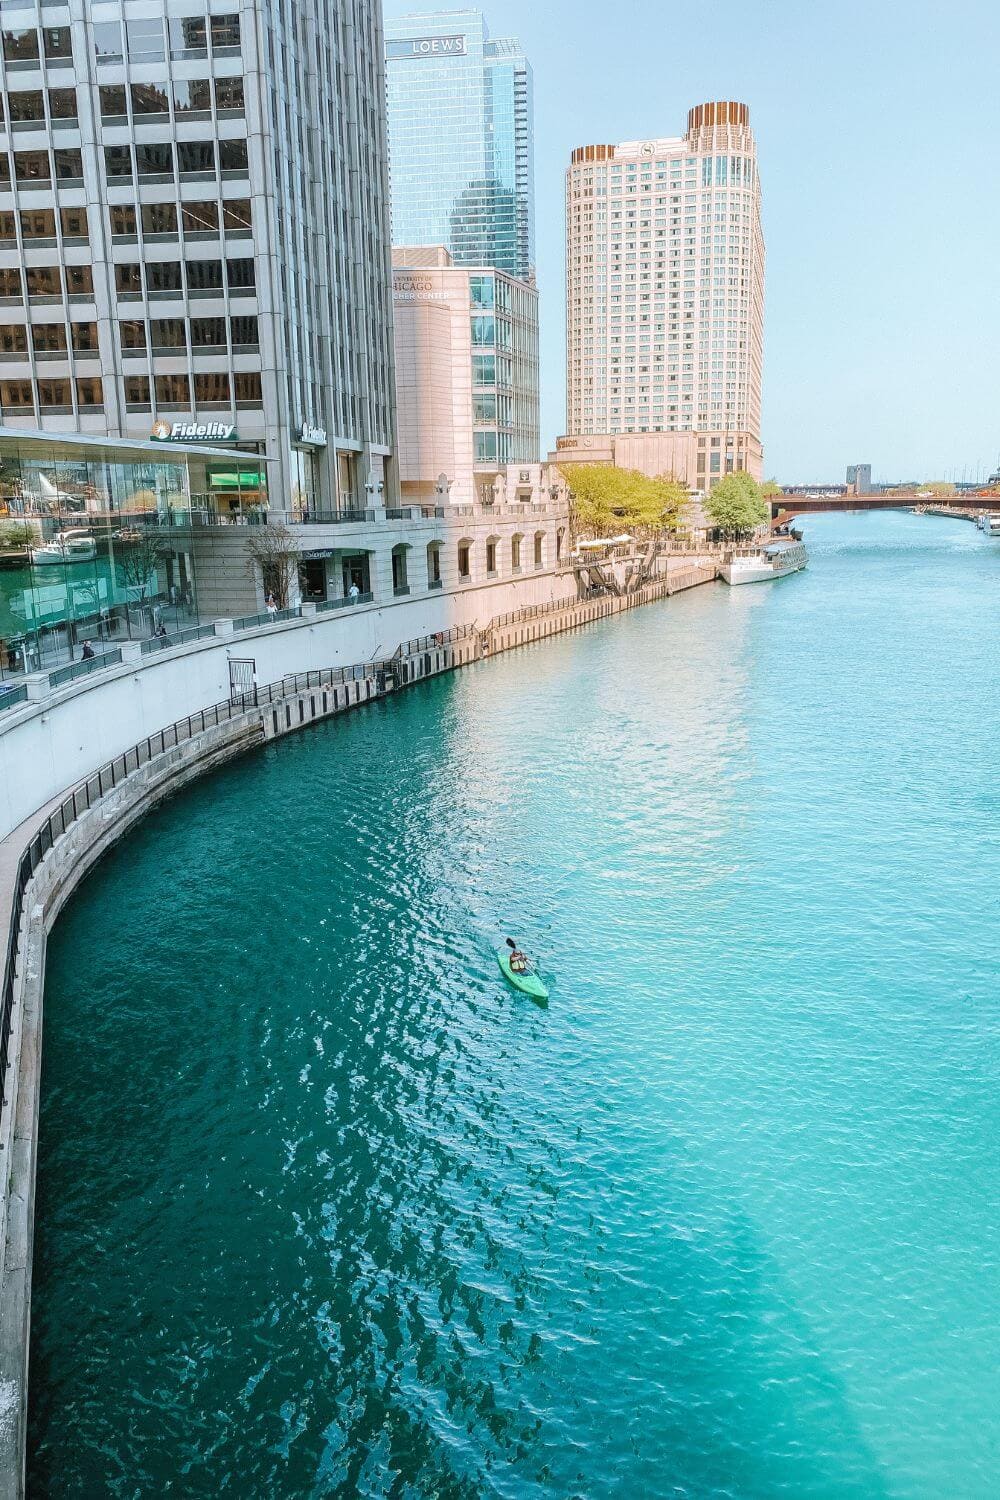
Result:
<point x="177" y="638"/>
<point x="268" y="617"/>
<point x="428" y="642"/>
<point x="84" y="668"/>
<point x="415" y="512"/>
<point x="346" y="603"/>
<point x="10" y="697"/>
<point x="309" y="517"/>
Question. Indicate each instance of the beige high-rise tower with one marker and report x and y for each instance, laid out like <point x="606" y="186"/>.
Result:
<point x="665" y="300"/>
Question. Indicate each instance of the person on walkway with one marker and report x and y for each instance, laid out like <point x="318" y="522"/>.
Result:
<point x="271" y="605"/>
<point x="88" y="653"/>
<point x="354" y="593"/>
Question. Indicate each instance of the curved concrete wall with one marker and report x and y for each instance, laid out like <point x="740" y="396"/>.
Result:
<point x="51" y="744"/>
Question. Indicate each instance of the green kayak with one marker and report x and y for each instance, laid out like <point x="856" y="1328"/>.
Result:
<point x="529" y="982"/>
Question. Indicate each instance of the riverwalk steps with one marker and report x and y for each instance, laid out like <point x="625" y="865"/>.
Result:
<point x="44" y="860"/>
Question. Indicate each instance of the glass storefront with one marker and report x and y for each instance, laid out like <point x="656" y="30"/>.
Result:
<point x="94" y="545"/>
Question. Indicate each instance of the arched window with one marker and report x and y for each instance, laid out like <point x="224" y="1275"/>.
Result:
<point x="539" y="549"/>
<point x="465" y="559"/>
<point x="515" y="552"/>
<point x="492" y="544"/>
<point x="434" y="579"/>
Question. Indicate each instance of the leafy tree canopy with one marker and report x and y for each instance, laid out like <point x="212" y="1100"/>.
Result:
<point x="938" y="487"/>
<point x="771" y="489"/>
<point x="736" y="504"/>
<point x="607" y="500"/>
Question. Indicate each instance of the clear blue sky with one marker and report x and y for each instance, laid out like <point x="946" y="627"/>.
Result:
<point x="878" y="132"/>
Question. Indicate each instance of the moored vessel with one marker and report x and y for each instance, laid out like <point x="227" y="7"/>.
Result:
<point x="773" y="560"/>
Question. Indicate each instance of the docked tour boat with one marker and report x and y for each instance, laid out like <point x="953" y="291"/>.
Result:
<point x="65" y="547"/>
<point x="773" y="560"/>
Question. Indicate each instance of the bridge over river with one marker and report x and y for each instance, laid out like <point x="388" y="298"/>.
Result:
<point x="788" y="507"/>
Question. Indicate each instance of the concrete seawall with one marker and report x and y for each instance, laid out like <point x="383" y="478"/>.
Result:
<point x="83" y="837"/>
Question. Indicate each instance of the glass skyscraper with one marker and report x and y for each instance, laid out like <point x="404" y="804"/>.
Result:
<point x="461" y="140"/>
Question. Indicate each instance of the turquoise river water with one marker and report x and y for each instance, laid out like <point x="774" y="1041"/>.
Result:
<point x="324" y="1208"/>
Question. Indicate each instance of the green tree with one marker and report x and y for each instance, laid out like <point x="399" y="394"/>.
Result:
<point x="606" y="499"/>
<point x="771" y="489"/>
<point x="14" y="535"/>
<point x="736" y="505"/>
<point x="938" y="488"/>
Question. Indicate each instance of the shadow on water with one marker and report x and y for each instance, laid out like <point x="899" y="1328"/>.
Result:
<point x="326" y="1209"/>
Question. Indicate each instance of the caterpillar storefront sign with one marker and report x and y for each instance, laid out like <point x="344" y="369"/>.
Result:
<point x="426" y="46"/>
<point x="193" y="432"/>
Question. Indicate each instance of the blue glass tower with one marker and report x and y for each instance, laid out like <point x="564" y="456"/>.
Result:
<point x="461" y="140"/>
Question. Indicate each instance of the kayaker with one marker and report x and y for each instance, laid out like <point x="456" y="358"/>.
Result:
<point x="518" y="961"/>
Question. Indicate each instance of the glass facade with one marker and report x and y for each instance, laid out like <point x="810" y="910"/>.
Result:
<point x="461" y="142"/>
<point x="95" y="541"/>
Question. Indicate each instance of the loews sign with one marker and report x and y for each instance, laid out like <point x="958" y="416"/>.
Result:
<point x="426" y="46"/>
<point x="193" y="432"/>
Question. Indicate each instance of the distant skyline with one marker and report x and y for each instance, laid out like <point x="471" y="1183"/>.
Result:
<point x="875" y="129"/>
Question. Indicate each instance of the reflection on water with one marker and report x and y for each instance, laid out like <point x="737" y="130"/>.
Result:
<point x="324" y="1208"/>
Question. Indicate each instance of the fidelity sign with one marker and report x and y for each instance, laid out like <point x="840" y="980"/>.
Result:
<point x="192" y="432"/>
<point x="426" y="46"/>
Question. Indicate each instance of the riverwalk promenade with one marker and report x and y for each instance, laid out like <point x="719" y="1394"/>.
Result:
<point x="46" y="856"/>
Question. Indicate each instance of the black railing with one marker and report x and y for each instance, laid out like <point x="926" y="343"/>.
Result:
<point x="346" y="603"/>
<point x="309" y="517"/>
<point x="269" y="617"/>
<point x="84" y="668"/>
<point x="177" y="638"/>
<point x="428" y="642"/>
<point x="11" y="696"/>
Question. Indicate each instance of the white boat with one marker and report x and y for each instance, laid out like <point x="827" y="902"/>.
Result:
<point x="65" y="547"/>
<point x="773" y="560"/>
<point x="992" y="525"/>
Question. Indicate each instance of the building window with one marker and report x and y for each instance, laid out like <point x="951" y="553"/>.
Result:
<point x="7" y="224"/>
<point x="208" y="333"/>
<point x="55" y="395"/>
<point x="32" y="166"/>
<point x="481" y="291"/>
<point x="20" y="46"/>
<point x="192" y="96"/>
<point x="229" y="95"/>
<point x="163" y="278"/>
<point x="117" y="162"/>
<point x="484" y="370"/>
<point x="27" y="106"/>
<point x="159" y="219"/>
<point x="247" y="388"/>
<point x="485" y="450"/>
<point x="167" y="334"/>
<point x="108" y="41"/>
<point x="128" y="280"/>
<point x="62" y="104"/>
<point x="225" y="32"/>
<point x="515" y="553"/>
<point x="211" y="389"/>
<point x="79" y="282"/>
<point x="233" y="158"/>
<point x="200" y="218"/>
<point x="43" y="281"/>
<point x="137" y="390"/>
<point x="188" y="36"/>
<point x="241" y="275"/>
<point x="69" y="165"/>
<point x="149" y="99"/>
<point x="10" y="284"/>
<point x="74" y="223"/>
<point x="58" y="42"/>
<point x="491" y="557"/>
<point x="465" y="561"/>
<point x="132" y="335"/>
<point x="49" y="338"/>
<point x="204" y="276"/>
<point x="112" y="100"/>
<point x="483" y="330"/>
<point x="172" y="390"/>
<point x="236" y="214"/>
<point x="85" y="338"/>
<point x="195" y="157"/>
<point x="244" y="332"/>
<point x="122" y="221"/>
<point x="539" y="545"/>
<point x="484" y="409"/>
<point x="145" y="40"/>
<point x="154" y="159"/>
<point x="38" y="224"/>
<point x="16" y="396"/>
<point x="13" y="338"/>
<point x="90" y="391"/>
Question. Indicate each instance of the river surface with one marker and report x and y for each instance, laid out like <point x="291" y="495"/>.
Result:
<point x="324" y="1208"/>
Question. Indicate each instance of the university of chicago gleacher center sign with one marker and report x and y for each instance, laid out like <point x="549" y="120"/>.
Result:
<point x="426" y="46"/>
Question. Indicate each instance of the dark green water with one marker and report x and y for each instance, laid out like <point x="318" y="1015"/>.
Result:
<point x="325" y="1209"/>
